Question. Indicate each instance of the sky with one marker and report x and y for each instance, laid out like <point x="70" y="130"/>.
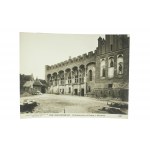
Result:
<point x="40" y="49"/>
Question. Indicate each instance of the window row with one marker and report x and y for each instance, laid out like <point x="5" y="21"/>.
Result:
<point x="111" y="66"/>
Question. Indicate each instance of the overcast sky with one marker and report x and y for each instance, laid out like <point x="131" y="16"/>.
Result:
<point x="40" y="49"/>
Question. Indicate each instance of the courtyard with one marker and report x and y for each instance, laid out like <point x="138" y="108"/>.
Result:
<point x="51" y="103"/>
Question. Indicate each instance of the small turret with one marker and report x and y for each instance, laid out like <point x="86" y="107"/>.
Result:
<point x="99" y="41"/>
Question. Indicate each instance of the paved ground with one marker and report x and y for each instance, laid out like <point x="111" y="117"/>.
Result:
<point x="50" y="103"/>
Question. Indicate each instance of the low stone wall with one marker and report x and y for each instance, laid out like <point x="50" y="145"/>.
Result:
<point x="114" y="93"/>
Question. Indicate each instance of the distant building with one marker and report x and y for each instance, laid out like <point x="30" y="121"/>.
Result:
<point x="37" y="85"/>
<point x="102" y="73"/>
<point x="28" y="84"/>
<point x="44" y="86"/>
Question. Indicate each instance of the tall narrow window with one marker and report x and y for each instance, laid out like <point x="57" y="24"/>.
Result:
<point x="69" y="89"/>
<point x="80" y="78"/>
<point x="102" y="68"/>
<point x="69" y="78"/>
<point x="90" y="75"/>
<point x="111" y="67"/>
<point x="111" y="63"/>
<point x="103" y="72"/>
<point x="120" y="64"/>
<point x="55" y="81"/>
<point x="120" y="68"/>
<point x="76" y="76"/>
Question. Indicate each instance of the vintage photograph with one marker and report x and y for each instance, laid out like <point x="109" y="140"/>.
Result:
<point x="74" y="75"/>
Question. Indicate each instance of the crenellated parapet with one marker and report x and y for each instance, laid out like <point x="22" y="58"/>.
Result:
<point x="103" y="72"/>
<point x="110" y="45"/>
<point x="78" y="59"/>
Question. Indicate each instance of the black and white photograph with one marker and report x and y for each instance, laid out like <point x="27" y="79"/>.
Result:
<point x="74" y="75"/>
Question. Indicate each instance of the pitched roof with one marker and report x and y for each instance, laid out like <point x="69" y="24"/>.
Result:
<point x="37" y="82"/>
<point x="28" y="84"/>
<point x="43" y="82"/>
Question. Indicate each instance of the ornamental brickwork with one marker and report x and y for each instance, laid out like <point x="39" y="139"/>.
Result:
<point x="102" y="73"/>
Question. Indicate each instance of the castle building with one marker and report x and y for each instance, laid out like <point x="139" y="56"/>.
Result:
<point x="102" y="73"/>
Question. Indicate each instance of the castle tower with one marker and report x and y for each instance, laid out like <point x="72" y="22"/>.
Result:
<point x="101" y="45"/>
<point x="111" y="43"/>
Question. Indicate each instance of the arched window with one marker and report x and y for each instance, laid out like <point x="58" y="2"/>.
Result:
<point x="69" y="77"/>
<point x="111" y="67"/>
<point x="120" y="64"/>
<point x="111" y="63"/>
<point x="48" y="77"/>
<point x="90" y="75"/>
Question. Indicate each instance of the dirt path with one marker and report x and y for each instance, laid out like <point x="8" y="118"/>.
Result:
<point x="49" y="103"/>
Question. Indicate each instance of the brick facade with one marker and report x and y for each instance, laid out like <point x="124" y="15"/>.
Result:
<point x="102" y="73"/>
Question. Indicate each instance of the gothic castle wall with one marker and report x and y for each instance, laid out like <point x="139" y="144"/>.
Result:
<point x="104" y="72"/>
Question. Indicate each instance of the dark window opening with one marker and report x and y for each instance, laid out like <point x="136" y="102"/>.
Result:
<point x="76" y="80"/>
<point x="120" y="68"/>
<point x="69" y="81"/>
<point x="110" y="85"/>
<point x="89" y="89"/>
<point x="103" y="72"/>
<point x="90" y="75"/>
<point x="55" y="82"/>
<point x="62" y="91"/>
<point x="69" y="90"/>
<point x="80" y="80"/>
<point x="82" y="92"/>
<point x="111" y="63"/>
<point x="75" y="91"/>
